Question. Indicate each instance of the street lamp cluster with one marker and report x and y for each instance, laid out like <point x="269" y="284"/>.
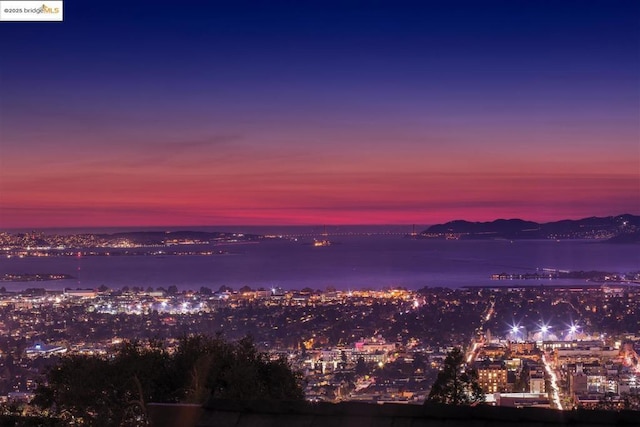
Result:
<point x="518" y="332"/>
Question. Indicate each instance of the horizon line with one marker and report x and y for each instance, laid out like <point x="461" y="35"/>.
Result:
<point x="174" y="226"/>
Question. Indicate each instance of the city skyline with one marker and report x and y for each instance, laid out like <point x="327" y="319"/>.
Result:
<point x="261" y="114"/>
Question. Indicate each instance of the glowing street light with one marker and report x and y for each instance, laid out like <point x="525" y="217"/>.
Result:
<point x="544" y="329"/>
<point x="515" y="331"/>
<point x="573" y="328"/>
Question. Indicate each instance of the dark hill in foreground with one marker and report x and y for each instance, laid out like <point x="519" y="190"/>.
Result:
<point x="619" y="229"/>
<point x="223" y="413"/>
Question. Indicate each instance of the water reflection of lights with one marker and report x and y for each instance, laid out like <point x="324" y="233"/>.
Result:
<point x="554" y="383"/>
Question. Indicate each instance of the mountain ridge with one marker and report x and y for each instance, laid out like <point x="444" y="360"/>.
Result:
<point x="601" y="228"/>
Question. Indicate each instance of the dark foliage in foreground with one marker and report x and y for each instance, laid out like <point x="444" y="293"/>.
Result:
<point x="115" y="390"/>
<point x="456" y="385"/>
<point x="27" y="421"/>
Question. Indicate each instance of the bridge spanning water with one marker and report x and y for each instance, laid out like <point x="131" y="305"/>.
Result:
<point x="351" y="233"/>
<point x="340" y="234"/>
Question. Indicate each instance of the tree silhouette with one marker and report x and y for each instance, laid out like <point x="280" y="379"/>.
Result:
<point x="108" y="391"/>
<point x="456" y="385"/>
<point x="361" y="367"/>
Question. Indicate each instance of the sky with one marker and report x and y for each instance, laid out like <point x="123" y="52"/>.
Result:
<point x="352" y="112"/>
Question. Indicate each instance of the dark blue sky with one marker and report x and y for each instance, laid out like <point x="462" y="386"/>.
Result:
<point x="372" y="111"/>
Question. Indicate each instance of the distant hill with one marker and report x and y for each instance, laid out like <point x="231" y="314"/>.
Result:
<point x="616" y="229"/>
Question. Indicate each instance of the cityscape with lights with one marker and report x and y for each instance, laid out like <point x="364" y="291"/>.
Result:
<point x="360" y="345"/>
<point x="255" y="213"/>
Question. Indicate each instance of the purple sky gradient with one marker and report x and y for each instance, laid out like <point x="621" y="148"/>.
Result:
<point x="313" y="114"/>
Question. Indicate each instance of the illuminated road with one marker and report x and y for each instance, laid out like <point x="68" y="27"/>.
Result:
<point x="473" y="351"/>
<point x="555" y="396"/>
<point x="477" y="344"/>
